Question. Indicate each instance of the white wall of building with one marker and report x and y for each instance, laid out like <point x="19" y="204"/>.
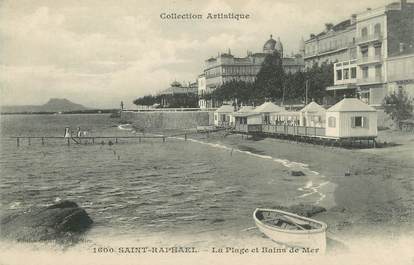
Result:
<point x="344" y="128"/>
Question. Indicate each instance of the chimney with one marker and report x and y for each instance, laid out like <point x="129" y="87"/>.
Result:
<point x="353" y="19"/>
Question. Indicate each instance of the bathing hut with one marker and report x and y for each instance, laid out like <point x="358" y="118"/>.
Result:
<point x="268" y="112"/>
<point x="312" y="115"/>
<point x="223" y="116"/>
<point x="351" y="118"/>
<point x="242" y="114"/>
<point x="246" y="119"/>
<point x="290" y="118"/>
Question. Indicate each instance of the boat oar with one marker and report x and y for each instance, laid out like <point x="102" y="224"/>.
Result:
<point x="290" y="220"/>
<point x="293" y="222"/>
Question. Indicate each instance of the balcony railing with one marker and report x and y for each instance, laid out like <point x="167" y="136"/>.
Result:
<point x="370" y="59"/>
<point x="369" y="38"/>
<point x="370" y="80"/>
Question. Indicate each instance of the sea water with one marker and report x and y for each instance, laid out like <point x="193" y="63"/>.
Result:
<point x="190" y="192"/>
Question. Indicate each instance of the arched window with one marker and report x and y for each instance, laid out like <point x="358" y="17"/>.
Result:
<point x="377" y="29"/>
<point x="364" y="32"/>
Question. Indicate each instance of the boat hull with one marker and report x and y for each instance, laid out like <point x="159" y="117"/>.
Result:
<point x="315" y="239"/>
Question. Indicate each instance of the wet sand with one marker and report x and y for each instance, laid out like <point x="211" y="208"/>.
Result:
<point x="375" y="201"/>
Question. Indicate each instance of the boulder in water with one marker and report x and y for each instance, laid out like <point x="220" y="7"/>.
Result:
<point x="62" y="221"/>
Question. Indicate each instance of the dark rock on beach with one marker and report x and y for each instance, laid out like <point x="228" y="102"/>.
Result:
<point x="62" y="222"/>
<point x="297" y="173"/>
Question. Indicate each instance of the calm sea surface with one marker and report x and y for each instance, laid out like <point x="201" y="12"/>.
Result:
<point x="169" y="192"/>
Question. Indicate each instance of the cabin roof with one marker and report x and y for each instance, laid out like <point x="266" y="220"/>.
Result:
<point x="245" y="109"/>
<point x="351" y="104"/>
<point x="313" y="107"/>
<point x="268" y="107"/>
<point x="225" y="108"/>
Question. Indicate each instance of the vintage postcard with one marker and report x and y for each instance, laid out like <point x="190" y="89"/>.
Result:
<point x="206" y="132"/>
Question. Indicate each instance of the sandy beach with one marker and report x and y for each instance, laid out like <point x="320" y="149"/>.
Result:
<point x="375" y="201"/>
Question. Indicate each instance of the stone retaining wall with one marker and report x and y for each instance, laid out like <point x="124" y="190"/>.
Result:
<point x="168" y="120"/>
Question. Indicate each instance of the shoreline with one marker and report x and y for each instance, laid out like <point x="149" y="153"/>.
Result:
<point x="376" y="199"/>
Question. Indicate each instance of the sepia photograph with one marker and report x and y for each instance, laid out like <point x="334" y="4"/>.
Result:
<point x="206" y="132"/>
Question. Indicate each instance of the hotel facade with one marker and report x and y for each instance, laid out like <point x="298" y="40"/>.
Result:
<point x="226" y="67"/>
<point x="372" y="52"/>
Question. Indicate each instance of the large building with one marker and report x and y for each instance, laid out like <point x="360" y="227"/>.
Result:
<point x="366" y="49"/>
<point x="335" y="43"/>
<point x="226" y="67"/>
<point x="185" y="92"/>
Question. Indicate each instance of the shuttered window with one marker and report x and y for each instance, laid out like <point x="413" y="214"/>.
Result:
<point x="332" y="122"/>
<point x="356" y="122"/>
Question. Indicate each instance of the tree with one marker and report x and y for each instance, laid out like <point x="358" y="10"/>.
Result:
<point x="398" y="105"/>
<point x="147" y="100"/>
<point x="270" y="79"/>
<point x="320" y="77"/>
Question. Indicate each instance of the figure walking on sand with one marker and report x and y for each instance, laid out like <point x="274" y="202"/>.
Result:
<point x="67" y="133"/>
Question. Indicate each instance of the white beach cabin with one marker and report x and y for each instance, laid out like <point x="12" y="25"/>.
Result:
<point x="313" y="115"/>
<point x="223" y="116"/>
<point x="268" y="112"/>
<point x="351" y="118"/>
<point x="245" y="117"/>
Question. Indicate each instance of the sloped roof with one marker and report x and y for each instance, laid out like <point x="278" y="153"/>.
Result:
<point x="246" y="109"/>
<point x="313" y="107"/>
<point x="268" y="107"/>
<point x="350" y="104"/>
<point x="225" y="108"/>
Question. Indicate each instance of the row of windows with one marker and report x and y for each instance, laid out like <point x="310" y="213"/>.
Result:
<point x="377" y="30"/>
<point x="346" y="73"/>
<point x="378" y="71"/>
<point x="356" y="122"/>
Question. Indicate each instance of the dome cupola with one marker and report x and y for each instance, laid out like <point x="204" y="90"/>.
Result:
<point x="269" y="46"/>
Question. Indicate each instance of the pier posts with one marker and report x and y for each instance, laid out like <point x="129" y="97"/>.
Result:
<point x="93" y="140"/>
<point x="18" y="141"/>
<point x="43" y="141"/>
<point x="185" y="137"/>
<point x="29" y="139"/>
<point x="116" y="140"/>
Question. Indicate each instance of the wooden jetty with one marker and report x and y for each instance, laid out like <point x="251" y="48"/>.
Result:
<point x="92" y="139"/>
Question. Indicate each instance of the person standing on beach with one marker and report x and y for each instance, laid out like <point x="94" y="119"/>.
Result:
<point x="67" y="132"/>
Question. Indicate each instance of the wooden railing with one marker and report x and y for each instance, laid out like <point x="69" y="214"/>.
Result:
<point x="280" y="129"/>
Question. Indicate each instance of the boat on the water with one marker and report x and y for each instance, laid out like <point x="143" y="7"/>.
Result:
<point x="291" y="229"/>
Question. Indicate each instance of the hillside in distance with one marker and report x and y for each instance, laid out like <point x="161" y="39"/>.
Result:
<point x="53" y="105"/>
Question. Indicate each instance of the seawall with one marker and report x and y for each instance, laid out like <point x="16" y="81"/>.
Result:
<point x="168" y="120"/>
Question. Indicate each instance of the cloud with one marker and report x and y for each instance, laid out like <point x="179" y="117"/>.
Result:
<point x="100" y="52"/>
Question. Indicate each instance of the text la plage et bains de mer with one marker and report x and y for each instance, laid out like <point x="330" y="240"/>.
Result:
<point x="209" y="16"/>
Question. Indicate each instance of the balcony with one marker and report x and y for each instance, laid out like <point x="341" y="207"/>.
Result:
<point x="370" y="80"/>
<point x="370" y="59"/>
<point x="376" y="37"/>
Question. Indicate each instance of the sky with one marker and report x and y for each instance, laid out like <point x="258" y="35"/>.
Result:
<point x="99" y="52"/>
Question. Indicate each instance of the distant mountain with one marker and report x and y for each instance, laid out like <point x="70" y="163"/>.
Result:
<point x="53" y="105"/>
